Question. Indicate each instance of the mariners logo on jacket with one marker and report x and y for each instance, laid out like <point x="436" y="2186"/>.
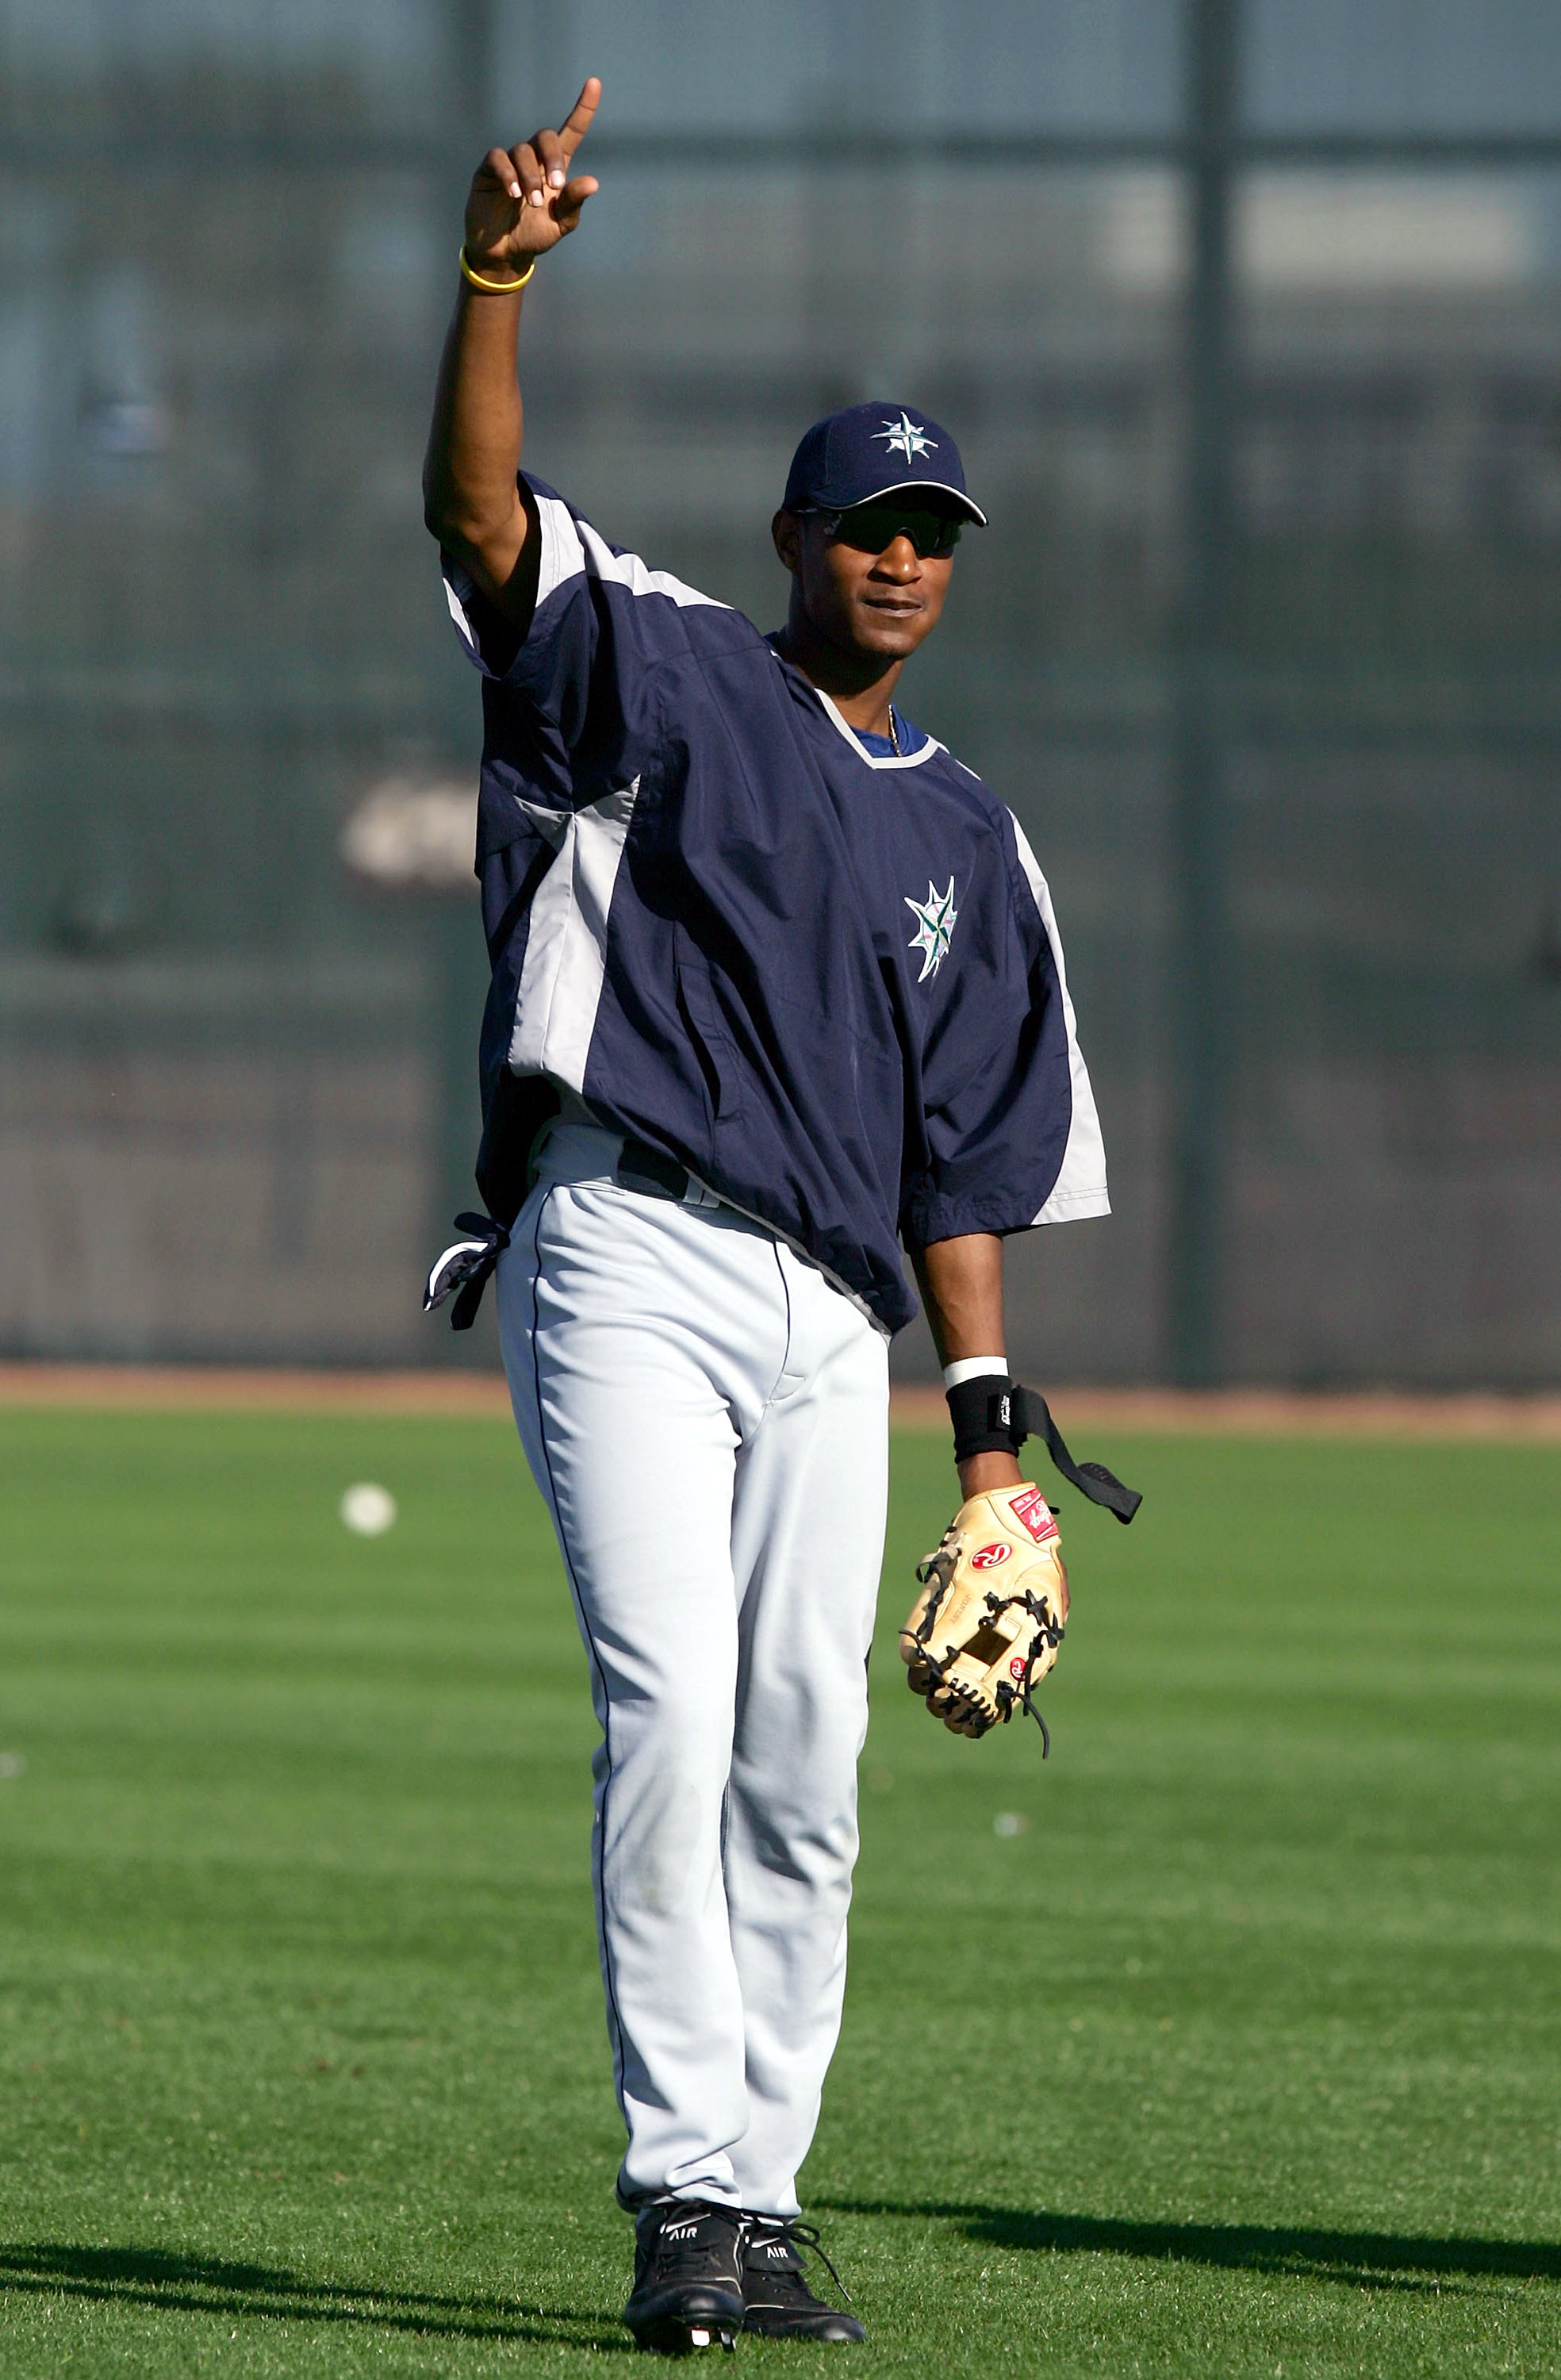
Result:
<point x="936" y="918"/>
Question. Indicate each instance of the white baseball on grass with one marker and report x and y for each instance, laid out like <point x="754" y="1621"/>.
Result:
<point x="368" y="1510"/>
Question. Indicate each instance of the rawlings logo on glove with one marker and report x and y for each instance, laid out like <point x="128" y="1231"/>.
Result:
<point x="1031" y="1507"/>
<point x="989" y="1557"/>
<point x="975" y="1650"/>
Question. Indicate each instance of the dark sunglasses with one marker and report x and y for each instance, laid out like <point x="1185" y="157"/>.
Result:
<point x="872" y="529"/>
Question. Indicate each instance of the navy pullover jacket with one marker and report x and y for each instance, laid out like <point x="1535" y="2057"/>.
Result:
<point x="826" y="980"/>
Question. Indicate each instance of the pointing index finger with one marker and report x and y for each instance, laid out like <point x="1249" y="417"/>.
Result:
<point x="577" y="123"/>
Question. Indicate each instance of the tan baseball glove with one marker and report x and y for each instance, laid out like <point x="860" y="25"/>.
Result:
<point x="987" y="1623"/>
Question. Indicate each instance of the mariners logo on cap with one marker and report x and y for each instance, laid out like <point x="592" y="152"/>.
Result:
<point x="906" y="437"/>
<point x="936" y="918"/>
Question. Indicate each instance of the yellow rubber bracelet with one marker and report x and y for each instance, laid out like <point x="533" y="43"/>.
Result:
<point x="494" y="288"/>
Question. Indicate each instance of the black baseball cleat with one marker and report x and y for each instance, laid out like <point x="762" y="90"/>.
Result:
<point x="688" y="2276"/>
<point x="777" y="2302"/>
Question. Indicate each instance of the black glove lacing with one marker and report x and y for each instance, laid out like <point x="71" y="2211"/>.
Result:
<point x="1048" y="1632"/>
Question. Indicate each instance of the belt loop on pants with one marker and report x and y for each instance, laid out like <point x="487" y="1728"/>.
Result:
<point x="640" y="1167"/>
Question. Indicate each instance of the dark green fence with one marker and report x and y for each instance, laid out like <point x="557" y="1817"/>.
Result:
<point x="1246" y="316"/>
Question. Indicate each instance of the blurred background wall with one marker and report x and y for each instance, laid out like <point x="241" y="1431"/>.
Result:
<point x="1245" y="312"/>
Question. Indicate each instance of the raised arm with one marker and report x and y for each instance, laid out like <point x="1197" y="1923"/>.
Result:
<point x="522" y="202"/>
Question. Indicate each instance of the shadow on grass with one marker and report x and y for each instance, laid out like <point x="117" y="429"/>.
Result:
<point x="1362" y="2260"/>
<point x="150" y="2277"/>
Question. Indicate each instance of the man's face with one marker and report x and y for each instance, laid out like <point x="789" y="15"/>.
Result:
<point x="864" y="586"/>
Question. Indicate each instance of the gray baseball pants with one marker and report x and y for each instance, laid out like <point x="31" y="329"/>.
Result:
<point x="706" y="1418"/>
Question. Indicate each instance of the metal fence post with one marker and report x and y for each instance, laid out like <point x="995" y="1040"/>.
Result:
<point x="1203" y="952"/>
<point x="458" y="975"/>
<point x="459" y="982"/>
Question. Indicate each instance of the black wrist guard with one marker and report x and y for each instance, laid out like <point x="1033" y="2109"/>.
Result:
<point x="993" y="1415"/>
<point x="983" y="1415"/>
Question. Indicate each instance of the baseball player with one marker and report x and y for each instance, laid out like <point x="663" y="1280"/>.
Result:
<point x="777" y="995"/>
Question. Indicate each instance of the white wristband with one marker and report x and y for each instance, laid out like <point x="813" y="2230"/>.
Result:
<point x="975" y="1367"/>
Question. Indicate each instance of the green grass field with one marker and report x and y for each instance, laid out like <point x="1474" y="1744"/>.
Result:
<point x="1241" y="2056"/>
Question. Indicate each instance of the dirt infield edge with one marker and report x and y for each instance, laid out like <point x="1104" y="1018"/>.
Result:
<point x="1257" y="1412"/>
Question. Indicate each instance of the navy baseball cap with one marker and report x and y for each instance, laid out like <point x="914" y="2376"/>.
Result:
<point x="876" y="450"/>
